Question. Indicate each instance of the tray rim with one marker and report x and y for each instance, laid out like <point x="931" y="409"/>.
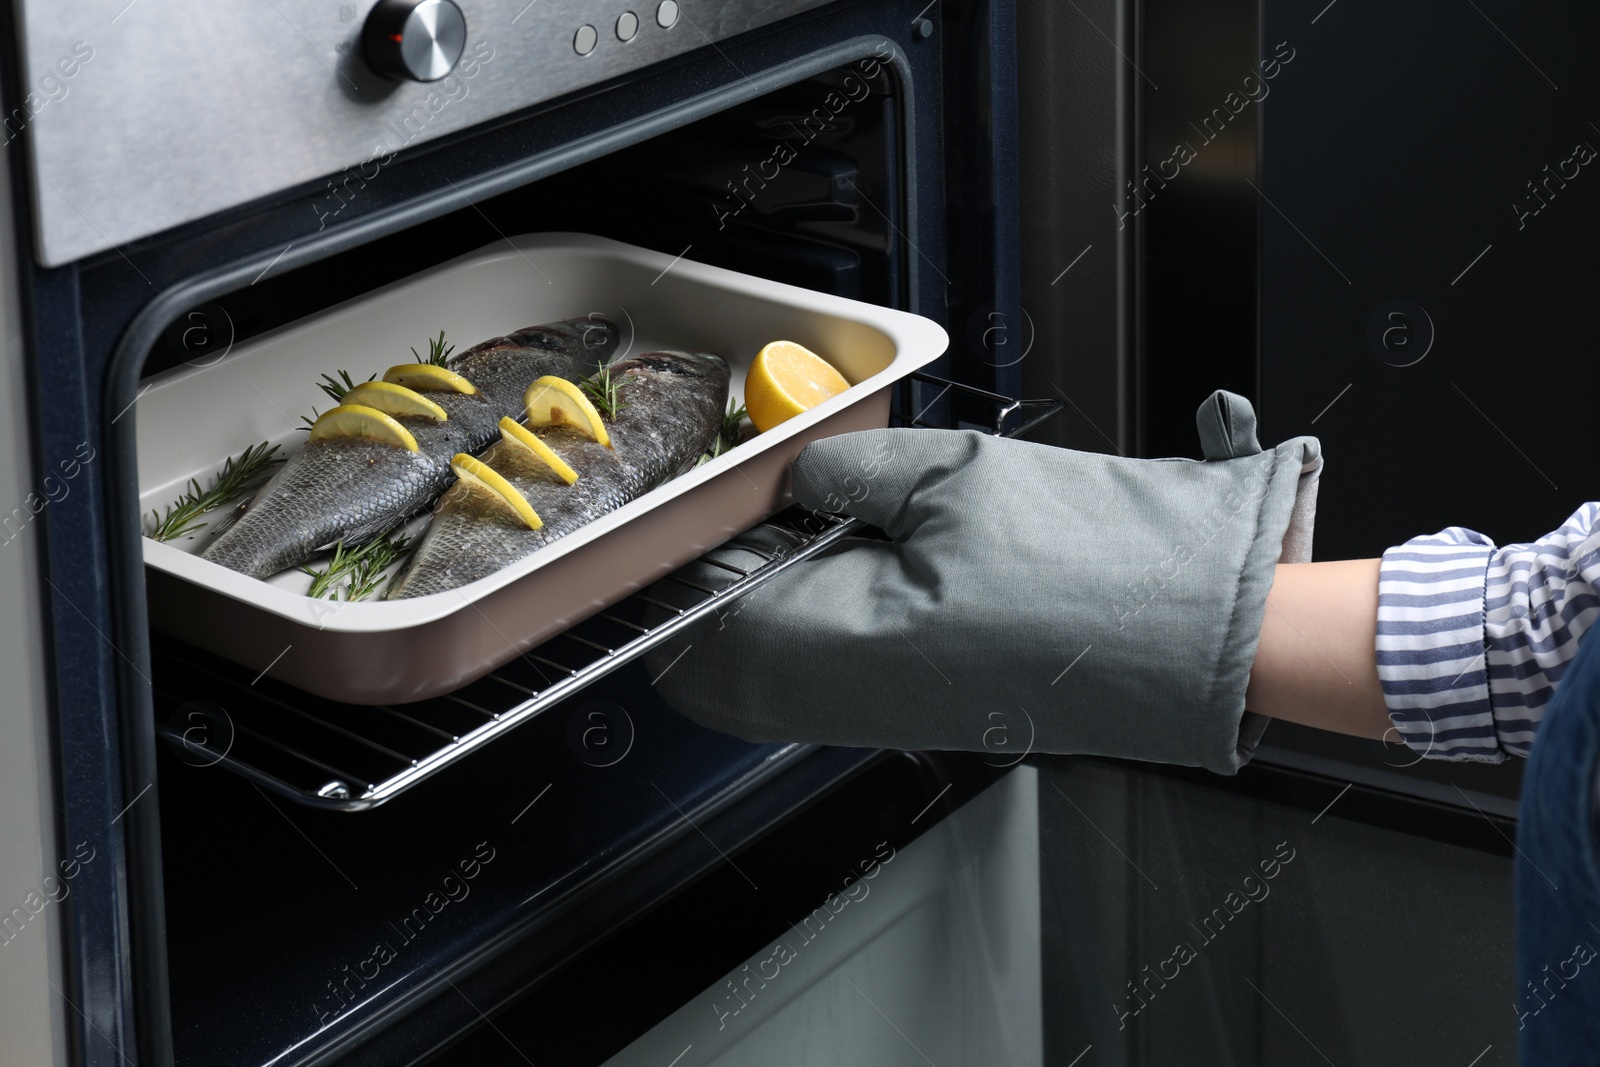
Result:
<point x="917" y="342"/>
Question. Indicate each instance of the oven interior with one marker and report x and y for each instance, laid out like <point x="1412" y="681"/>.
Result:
<point x="295" y="934"/>
<point x="821" y="220"/>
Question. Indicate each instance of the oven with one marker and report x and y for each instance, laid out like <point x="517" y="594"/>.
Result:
<point x="547" y="863"/>
<point x="205" y="865"/>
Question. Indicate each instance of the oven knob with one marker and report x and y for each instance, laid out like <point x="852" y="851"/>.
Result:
<point x="418" y="40"/>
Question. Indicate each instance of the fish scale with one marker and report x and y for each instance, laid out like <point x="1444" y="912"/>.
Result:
<point x="353" y="489"/>
<point x="674" y="402"/>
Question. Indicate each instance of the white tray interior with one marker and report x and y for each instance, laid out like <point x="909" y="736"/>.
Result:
<point x="192" y="418"/>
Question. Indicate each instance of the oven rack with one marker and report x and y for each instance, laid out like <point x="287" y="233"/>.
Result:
<point x="346" y="757"/>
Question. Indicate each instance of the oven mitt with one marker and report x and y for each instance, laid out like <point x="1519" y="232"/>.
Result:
<point x="1028" y="598"/>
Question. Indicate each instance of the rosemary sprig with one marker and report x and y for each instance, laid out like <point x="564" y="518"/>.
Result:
<point x="239" y="475"/>
<point x="337" y="387"/>
<point x="353" y="574"/>
<point x="732" y="429"/>
<point x="729" y="434"/>
<point x="438" y="351"/>
<point x="369" y="572"/>
<point x="605" y="391"/>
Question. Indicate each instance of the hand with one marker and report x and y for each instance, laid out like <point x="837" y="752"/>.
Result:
<point x="1028" y="598"/>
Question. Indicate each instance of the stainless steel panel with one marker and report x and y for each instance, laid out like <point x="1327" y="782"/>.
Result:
<point x="36" y="877"/>
<point x="145" y="114"/>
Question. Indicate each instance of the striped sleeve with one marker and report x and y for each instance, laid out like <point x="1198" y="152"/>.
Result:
<point x="1473" y="638"/>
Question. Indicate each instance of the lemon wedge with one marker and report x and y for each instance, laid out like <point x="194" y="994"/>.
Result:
<point x="355" y="420"/>
<point x="553" y="401"/>
<point x="428" y="378"/>
<point x="481" y="478"/>
<point x="519" y="436"/>
<point x="786" y="380"/>
<point x="394" y="399"/>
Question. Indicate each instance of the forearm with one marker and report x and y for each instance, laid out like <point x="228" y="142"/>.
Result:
<point x="1316" y="663"/>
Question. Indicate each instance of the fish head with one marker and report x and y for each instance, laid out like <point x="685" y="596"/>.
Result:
<point x="685" y="365"/>
<point x="595" y="335"/>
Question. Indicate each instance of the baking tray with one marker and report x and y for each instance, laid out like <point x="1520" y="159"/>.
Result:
<point x="382" y="652"/>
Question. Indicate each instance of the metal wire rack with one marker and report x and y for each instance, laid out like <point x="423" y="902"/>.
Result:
<point x="347" y="757"/>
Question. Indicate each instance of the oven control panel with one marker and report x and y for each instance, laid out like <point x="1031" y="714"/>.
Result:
<point x="145" y="114"/>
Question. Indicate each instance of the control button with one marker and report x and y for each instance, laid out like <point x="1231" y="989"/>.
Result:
<point x="419" y="40"/>
<point x="585" y="40"/>
<point x="627" y="26"/>
<point x="667" y="14"/>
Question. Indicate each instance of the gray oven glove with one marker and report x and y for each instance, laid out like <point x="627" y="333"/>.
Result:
<point x="1030" y="598"/>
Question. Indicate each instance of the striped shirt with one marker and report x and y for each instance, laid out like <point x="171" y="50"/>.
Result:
<point x="1473" y="639"/>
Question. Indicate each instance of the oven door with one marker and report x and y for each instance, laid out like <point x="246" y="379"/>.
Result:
<point x="240" y="918"/>
<point x="1387" y="938"/>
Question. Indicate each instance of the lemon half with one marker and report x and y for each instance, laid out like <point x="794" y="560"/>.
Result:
<point x="482" y="479"/>
<point x="786" y="380"/>
<point x="519" y="436"/>
<point x="553" y="401"/>
<point x="427" y="378"/>
<point x="355" y="420"/>
<point x="394" y="399"/>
